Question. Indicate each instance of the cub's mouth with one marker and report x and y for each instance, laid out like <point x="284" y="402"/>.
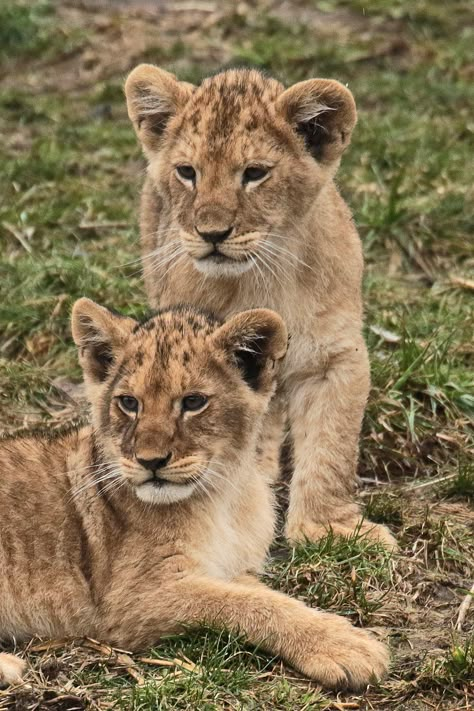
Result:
<point x="229" y="257"/>
<point x="217" y="263"/>
<point x="159" y="490"/>
<point x="217" y="257"/>
<point x="160" y="481"/>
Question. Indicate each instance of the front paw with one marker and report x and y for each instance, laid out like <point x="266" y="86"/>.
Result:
<point x="306" y="530"/>
<point x="344" y="657"/>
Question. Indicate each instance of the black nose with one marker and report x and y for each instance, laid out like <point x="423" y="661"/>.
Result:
<point x="215" y="237"/>
<point x="154" y="464"/>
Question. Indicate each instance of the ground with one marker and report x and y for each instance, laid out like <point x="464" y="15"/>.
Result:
<point x="69" y="187"/>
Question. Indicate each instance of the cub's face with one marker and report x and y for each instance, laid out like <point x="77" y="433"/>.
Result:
<point x="237" y="161"/>
<point x="178" y="399"/>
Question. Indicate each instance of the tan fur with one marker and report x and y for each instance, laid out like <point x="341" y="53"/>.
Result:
<point x="11" y="669"/>
<point x="293" y="248"/>
<point x="89" y="545"/>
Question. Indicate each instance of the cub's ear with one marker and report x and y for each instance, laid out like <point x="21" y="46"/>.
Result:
<point x="255" y="340"/>
<point x="323" y="112"/>
<point x="99" y="335"/>
<point x="153" y="97"/>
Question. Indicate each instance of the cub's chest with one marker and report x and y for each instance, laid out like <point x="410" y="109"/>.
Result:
<point x="238" y="538"/>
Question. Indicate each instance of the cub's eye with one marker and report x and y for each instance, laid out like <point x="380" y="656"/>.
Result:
<point x="128" y="403"/>
<point x="254" y="173"/>
<point x="186" y="171"/>
<point x="193" y="403"/>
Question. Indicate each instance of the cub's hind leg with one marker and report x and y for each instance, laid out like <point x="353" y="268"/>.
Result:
<point x="11" y="669"/>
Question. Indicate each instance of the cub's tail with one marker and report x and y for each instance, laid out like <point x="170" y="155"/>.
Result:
<point x="11" y="669"/>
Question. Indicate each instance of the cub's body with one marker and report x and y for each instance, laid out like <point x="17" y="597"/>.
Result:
<point x="239" y="210"/>
<point x="158" y="515"/>
<point x="67" y="547"/>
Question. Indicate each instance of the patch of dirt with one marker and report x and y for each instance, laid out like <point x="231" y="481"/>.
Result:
<point x="116" y="36"/>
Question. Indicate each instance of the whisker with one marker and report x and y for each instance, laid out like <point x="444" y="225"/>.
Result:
<point x="282" y="250"/>
<point x="280" y="257"/>
<point x="160" y="263"/>
<point x="154" y="252"/>
<point x="113" y="486"/>
<point x="267" y="261"/>
<point x="219" y="476"/>
<point x="264" y="259"/>
<point x="90" y="484"/>
<point x="254" y="260"/>
<point x="180" y="258"/>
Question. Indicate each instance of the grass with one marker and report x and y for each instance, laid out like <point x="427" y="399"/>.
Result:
<point x="348" y="576"/>
<point x="29" y="29"/>
<point x="69" y="188"/>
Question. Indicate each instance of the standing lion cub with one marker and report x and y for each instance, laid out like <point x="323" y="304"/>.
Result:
<point x="156" y="516"/>
<point x="240" y="210"/>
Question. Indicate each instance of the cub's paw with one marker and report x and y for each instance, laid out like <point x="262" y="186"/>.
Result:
<point x="301" y="531"/>
<point x="345" y="657"/>
<point x="11" y="669"/>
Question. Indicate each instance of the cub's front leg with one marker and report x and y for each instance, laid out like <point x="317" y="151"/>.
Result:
<point x="326" y="407"/>
<point x="322" y="646"/>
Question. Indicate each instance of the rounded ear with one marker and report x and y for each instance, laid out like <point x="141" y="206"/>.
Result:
<point x="153" y="97"/>
<point x="255" y="340"/>
<point x="323" y="112"/>
<point x="99" y="335"/>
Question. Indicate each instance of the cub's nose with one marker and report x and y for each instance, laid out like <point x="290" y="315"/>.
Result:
<point x="154" y="464"/>
<point x="216" y="236"/>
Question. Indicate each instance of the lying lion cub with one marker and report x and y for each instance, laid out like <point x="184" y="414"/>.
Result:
<point x="155" y="516"/>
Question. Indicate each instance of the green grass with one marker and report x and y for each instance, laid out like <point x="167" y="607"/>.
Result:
<point x="69" y="189"/>
<point x="451" y="669"/>
<point x="29" y="29"/>
<point x="348" y="576"/>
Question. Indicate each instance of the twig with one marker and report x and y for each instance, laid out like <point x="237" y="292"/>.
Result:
<point x="49" y="646"/>
<point x="85" y="225"/>
<point x="195" y="7"/>
<point x="463" y="610"/>
<point x="121" y="658"/>
<point x="18" y="235"/>
<point x="463" y="283"/>
<point x="432" y="482"/>
<point x="189" y="666"/>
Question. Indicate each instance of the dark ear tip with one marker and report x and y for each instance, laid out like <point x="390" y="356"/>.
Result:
<point x="323" y="112"/>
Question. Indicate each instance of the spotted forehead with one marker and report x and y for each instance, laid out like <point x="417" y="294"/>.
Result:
<point x="236" y="101"/>
<point x="171" y="338"/>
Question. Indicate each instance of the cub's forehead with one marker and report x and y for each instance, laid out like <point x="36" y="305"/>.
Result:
<point x="232" y="103"/>
<point x="170" y="339"/>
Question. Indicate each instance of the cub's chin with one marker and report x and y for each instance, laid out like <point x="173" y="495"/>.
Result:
<point x="221" y="266"/>
<point x="165" y="494"/>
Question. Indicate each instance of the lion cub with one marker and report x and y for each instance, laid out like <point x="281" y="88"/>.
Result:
<point x="240" y="210"/>
<point x="155" y="516"/>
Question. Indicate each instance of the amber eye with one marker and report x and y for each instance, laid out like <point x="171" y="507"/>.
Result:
<point x="128" y="403"/>
<point x="254" y="173"/>
<point x="193" y="403"/>
<point x="186" y="171"/>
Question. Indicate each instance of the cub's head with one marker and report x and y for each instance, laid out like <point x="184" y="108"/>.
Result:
<point x="177" y="400"/>
<point x="237" y="161"/>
